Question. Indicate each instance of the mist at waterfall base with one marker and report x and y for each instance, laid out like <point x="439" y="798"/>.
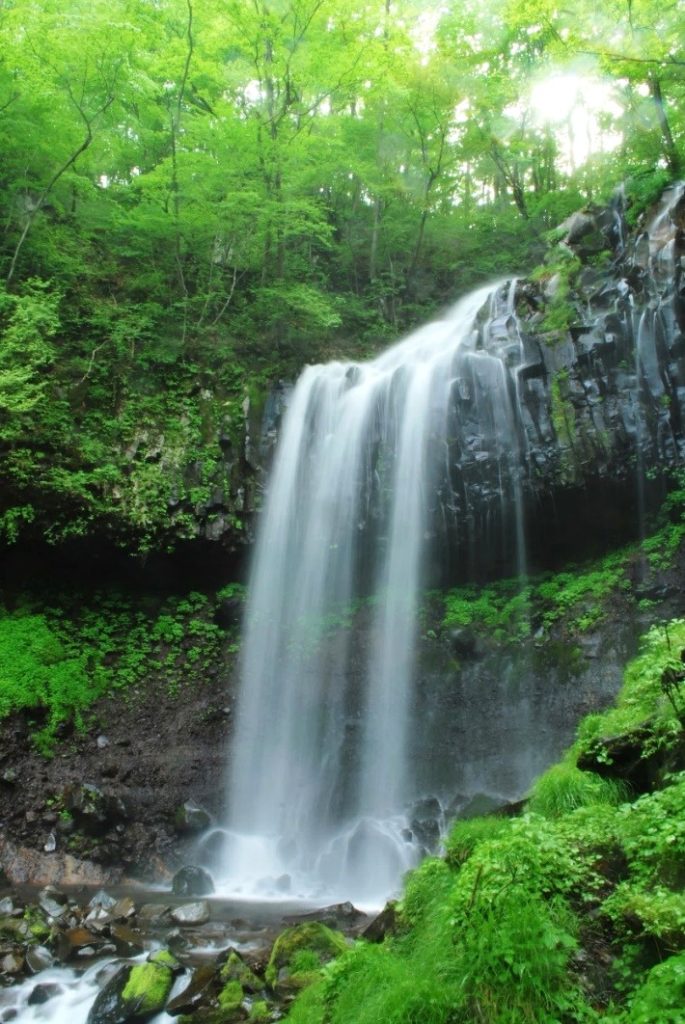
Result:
<point x="322" y="780"/>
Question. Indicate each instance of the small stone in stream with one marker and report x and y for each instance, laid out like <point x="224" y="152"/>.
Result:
<point x="50" y="843"/>
<point x="98" y="920"/>
<point x="190" y="817"/>
<point x="12" y="963"/>
<point x="86" y="952"/>
<point x="6" y="906"/>
<point x="177" y="941"/>
<point x="192" y="881"/>
<point x="16" y="930"/>
<point x="41" y="993"/>
<point x="54" y="893"/>
<point x="128" y="942"/>
<point x="166" y="959"/>
<point x="102" y="899"/>
<point x="154" y="913"/>
<point x="50" y="906"/>
<point x="10" y="1014"/>
<point x="38" y="959"/>
<point x="123" y="908"/>
<point x="202" y="986"/>
<point x="191" y="914"/>
<point x="73" y="939"/>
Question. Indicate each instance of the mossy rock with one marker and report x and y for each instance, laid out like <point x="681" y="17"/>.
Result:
<point x="231" y="996"/>
<point x="299" y="952"/>
<point x="259" y="1012"/>
<point x="147" y="988"/>
<point x="235" y="969"/>
<point x="135" y="993"/>
<point x="164" y="958"/>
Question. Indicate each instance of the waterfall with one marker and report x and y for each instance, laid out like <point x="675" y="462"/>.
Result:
<point x="320" y="781"/>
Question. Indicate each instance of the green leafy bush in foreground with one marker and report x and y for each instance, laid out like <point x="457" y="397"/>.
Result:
<point x="572" y="913"/>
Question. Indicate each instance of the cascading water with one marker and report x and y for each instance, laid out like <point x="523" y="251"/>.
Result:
<point x="320" y="779"/>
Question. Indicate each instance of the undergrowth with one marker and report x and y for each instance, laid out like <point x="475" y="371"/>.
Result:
<point x="58" y="658"/>
<point x="510" y="610"/>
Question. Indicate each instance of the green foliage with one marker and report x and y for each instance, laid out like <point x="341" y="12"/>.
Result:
<point x="184" y="219"/>
<point x="501" y="609"/>
<point x="38" y="670"/>
<point x="642" y="699"/>
<point x="54" y="664"/>
<point x="643" y="191"/>
<point x="662" y="996"/>
<point x="28" y="323"/>
<point x="465" y="836"/>
<point x="506" y="610"/>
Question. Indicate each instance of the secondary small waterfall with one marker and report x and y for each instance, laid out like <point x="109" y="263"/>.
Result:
<point x="362" y="483"/>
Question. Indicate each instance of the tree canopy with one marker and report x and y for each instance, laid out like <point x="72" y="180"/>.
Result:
<point x="251" y="185"/>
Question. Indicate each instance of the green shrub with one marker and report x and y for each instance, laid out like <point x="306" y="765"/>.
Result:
<point x="661" y="999"/>
<point x="38" y="671"/>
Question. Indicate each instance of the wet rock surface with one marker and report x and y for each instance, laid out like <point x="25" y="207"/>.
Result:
<point x="120" y="950"/>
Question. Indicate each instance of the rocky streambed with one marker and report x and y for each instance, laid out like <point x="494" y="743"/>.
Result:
<point x="110" y="956"/>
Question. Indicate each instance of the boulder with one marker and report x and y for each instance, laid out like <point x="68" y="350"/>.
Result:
<point x="384" y="924"/>
<point x="299" y="952"/>
<point x="192" y="881"/>
<point x="127" y="941"/>
<point x="190" y="914"/>
<point x="71" y="941"/>
<point x="135" y="993"/>
<point x="192" y="818"/>
<point x="426" y="816"/>
<point x="94" y="811"/>
<point x="38" y="958"/>
<point x="12" y="963"/>
<point x="42" y="993"/>
<point x="234" y="968"/>
<point x="202" y="987"/>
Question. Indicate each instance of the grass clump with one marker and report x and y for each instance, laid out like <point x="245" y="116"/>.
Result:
<point x="565" y="788"/>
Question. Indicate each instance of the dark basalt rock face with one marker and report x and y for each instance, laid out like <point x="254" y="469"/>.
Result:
<point x="593" y="413"/>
